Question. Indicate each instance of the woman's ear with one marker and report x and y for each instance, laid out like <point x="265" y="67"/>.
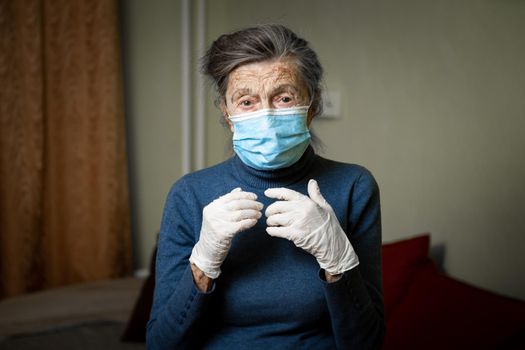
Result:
<point x="309" y="117"/>
<point x="313" y="106"/>
<point x="224" y="112"/>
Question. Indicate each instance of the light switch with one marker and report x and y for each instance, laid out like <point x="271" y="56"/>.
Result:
<point x="332" y="105"/>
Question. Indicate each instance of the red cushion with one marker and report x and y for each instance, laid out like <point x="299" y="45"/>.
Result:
<point x="443" y="313"/>
<point x="400" y="261"/>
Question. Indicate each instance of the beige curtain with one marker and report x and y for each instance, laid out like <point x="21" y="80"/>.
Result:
<point x="64" y="214"/>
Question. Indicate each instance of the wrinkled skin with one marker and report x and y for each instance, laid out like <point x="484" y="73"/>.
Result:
<point x="267" y="84"/>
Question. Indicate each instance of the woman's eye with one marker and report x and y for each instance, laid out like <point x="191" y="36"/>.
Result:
<point x="245" y="105"/>
<point x="284" y="101"/>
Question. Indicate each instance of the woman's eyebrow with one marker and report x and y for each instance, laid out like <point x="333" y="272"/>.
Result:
<point x="284" y="87"/>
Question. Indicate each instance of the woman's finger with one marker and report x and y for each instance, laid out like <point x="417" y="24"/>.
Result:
<point x="240" y="204"/>
<point x="228" y="197"/>
<point x="315" y="194"/>
<point x="280" y="207"/>
<point x="245" y="224"/>
<point x="240" y="215"/>
<point x="279" y="231"/>
<point x="284" y="194"/>
<point x="283" y="219"/>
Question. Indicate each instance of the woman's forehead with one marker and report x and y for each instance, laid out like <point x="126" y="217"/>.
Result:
<point x="264" y="76"/>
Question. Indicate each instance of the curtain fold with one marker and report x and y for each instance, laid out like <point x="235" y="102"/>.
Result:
<point x="64" y="212"/>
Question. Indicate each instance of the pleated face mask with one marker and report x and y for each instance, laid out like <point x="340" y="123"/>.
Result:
<point x="270" y="139"/>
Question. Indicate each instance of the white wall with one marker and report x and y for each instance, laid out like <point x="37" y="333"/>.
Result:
<point x="432" y="104"/>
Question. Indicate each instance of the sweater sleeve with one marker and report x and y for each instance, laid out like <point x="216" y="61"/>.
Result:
<point x="177" y="303"/>
<point x="355" y="301"/>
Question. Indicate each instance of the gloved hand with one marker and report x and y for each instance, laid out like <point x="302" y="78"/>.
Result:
<point x="311" y="224"/>
<point x="222" y="219"/>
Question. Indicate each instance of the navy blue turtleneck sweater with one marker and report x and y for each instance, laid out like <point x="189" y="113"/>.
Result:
<point x="270" y="294"/>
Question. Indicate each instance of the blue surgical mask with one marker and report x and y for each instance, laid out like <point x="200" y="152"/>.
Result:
<point x="270" y="139"/>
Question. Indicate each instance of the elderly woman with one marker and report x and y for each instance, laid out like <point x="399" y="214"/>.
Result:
<point x="277" y="247"/>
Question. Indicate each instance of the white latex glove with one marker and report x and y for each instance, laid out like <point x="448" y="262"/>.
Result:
<point x="311" y="224"/>
<point x="222" y="219"/>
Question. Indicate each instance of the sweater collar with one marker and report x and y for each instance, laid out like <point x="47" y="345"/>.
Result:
<point x="274" y="178"/>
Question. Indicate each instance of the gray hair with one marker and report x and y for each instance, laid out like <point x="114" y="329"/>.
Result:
<point x="262" y="43"/>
